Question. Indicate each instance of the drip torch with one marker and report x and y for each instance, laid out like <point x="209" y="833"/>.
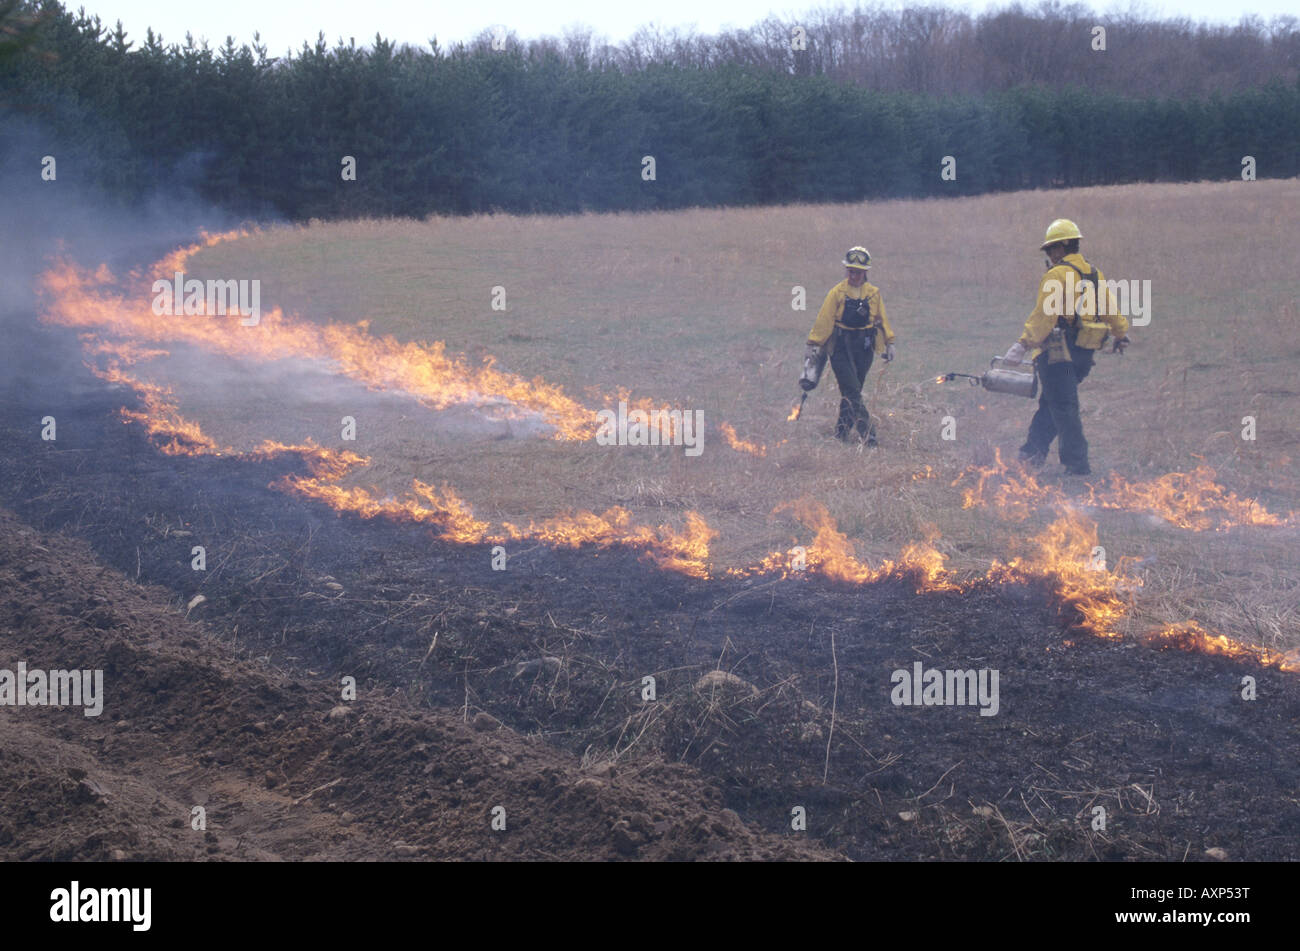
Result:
<point x="1018" y="379"/>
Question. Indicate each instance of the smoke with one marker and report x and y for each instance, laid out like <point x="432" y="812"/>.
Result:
<point x="72" y="216"/>
<point x="238" y="402"/>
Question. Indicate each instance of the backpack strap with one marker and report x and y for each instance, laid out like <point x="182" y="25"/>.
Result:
<point x="871" y="313"/>
<point x="1088" y="278"/>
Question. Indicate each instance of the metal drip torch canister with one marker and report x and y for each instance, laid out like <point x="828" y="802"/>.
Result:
<point x="1017" y="379"/>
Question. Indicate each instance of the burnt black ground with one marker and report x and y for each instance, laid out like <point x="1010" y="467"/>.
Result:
<point x="559" y="643"/>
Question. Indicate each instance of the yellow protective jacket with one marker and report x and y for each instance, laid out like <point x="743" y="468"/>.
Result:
<point x="833" y="308"/>
<point x="1052" y="301"/>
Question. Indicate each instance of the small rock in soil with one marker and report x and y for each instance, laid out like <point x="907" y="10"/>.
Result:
<point x="626" y="841"/>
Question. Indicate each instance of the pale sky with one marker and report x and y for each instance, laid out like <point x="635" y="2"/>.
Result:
<point x="287" y="23"/>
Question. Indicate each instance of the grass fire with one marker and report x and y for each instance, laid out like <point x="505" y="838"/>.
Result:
<point x="817" y="527"/>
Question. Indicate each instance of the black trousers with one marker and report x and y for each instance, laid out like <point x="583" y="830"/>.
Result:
<point x="850" y="360"/>
<point x="1058" y="409"/>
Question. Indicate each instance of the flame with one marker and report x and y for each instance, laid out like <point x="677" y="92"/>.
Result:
<point x="794" y="413"/>
<point x="831" y="554"/>
<point x="686" y="551"/>
<point x="1015" y="492"/>
<point x="1189" y="635"/>
<point x="323" y="463"/>
<point x="1189" y="500"/>
<point x="123" y="352"/>
<point x="165" y="267"/>
<point x="173" y="435"/>
<point x="741" y="445"/>
<point x="1185" y="499"/>
<point x="1060" y="555"/>
<point x="176" y="436"/>
<point x="442" y="508"/>
<point x="76" y="297"/>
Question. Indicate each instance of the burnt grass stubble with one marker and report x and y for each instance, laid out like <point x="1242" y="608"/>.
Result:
<point x="558" y="644"/>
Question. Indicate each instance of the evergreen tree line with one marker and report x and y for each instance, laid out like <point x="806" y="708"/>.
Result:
<point x="566" y="125"/>
<point x="938" y="51"/>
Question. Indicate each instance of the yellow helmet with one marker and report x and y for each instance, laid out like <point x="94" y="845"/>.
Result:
<point x="857" y="257"/>
<point x="1062" y="229"/>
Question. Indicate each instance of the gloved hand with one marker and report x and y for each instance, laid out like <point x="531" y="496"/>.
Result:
<point x="1119" y="345"/>
<point x="889" y="352"/>
<point x="808" y="378"/>
<point x="1016" y="354"/>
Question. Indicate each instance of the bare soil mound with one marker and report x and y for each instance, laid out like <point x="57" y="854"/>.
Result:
<point x="280" y="769"/>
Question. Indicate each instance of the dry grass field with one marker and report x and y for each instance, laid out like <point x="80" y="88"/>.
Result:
<point x="694" y="309"/>
<point x="183" y="535"/>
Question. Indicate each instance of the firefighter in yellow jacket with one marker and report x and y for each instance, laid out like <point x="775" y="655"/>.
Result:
<point x="1074" y="315"/>
<point x="851" y="328"/>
